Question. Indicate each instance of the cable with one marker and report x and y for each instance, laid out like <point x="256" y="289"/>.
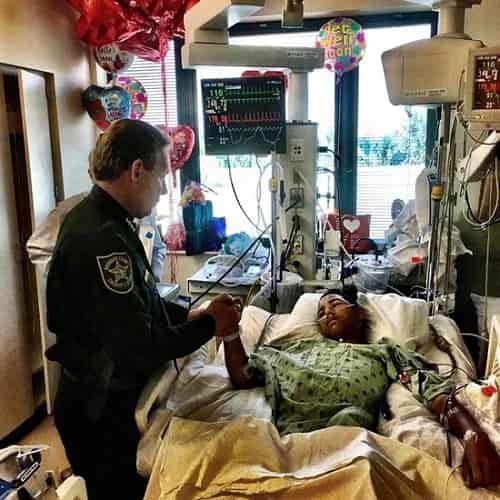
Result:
<point x="386" y="285"/>
<point x="237" y="198"/>
<point x="250" y="292"/>
<point x="307" y="184"/>
<point x="493" y="217"/>
<point x="484" y="339"/>
<point x="238" y="260"/>
<point x="262" y="170"/>
<point x="486" y="275"/>
<point x="449" y="477"/>
<point x="263" y="332"/>
<point x="455" y="368"/>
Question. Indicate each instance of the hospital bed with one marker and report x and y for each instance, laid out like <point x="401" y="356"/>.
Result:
<point x="201" y="439"/>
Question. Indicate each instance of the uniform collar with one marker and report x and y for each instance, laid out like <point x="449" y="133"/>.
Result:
<point x="110" y="205"/>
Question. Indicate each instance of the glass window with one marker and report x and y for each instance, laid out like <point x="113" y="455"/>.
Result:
<point x="149" y="74"/>
<point x="250" y="174"/>
<point x="391" y="139"/>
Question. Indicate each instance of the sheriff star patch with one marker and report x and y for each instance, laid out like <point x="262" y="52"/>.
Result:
<point x="116" y="272"/>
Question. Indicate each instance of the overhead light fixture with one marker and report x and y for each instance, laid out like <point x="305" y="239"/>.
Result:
<point x="293" y="14"/>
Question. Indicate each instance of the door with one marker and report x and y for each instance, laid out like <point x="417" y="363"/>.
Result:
<point x="39" y="162"/>
<point x="15" y="366"/>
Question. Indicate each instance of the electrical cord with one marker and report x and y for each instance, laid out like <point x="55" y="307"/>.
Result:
<point x="264" y="328"/>
<point x="308" y="186"/>
<point x="474" y="220"/>
<point x="338" y="199"/>
<point x="262" y="170"/>
<point x="237" y="198"/>
<point x="238" y="260"/>
<point x="484" y="339"/>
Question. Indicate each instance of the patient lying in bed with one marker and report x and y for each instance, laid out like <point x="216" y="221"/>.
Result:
<point x="340" y="380"/>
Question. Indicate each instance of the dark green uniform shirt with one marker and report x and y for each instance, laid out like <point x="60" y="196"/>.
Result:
<point x="113" y="329"/>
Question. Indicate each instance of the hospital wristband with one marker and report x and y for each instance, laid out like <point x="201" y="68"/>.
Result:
<point x="230" y="338"/>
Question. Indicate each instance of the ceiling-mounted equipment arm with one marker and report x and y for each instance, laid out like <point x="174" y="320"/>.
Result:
<point x="207" y="24"/>
<point x="293" y="14"/>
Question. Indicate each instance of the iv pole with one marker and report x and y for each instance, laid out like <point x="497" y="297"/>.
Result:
<point x="297" y="111"/>
<point x="451" y="23"/>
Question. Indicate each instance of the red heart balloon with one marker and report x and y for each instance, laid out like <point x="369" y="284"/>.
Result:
<point x="183" y="140"/>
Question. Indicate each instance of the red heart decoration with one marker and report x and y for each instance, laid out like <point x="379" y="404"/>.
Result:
<point x="183" y="140"/>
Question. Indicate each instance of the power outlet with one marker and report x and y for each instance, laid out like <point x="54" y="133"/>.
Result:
<point x="296" y="149"/>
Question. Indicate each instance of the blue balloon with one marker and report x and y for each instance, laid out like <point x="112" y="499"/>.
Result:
<point x="106" y="105"/>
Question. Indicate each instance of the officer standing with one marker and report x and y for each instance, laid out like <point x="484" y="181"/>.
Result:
<point x="113" y="330"/>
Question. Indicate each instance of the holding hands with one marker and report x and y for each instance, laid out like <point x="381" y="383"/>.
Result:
<point x="225" y="310"/>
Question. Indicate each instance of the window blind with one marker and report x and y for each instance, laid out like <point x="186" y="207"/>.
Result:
<point x="149" y="74"/>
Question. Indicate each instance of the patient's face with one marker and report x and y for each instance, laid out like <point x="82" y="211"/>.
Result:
<point x="338" y="319"/>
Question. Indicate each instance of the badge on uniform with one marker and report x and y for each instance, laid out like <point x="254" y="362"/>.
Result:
<point x="116" y="272"/>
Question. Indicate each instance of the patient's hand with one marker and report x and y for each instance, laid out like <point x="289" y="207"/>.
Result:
<point x="226" y="312"/>
<point x="481" y="461"/>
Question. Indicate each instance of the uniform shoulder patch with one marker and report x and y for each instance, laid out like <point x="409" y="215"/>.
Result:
<point x="116" y="272"/>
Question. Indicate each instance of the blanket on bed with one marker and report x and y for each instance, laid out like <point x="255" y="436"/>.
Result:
<point x="246" y="457"/>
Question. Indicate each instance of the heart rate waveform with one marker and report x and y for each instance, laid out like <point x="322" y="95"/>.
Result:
<point x="244" y="115"/>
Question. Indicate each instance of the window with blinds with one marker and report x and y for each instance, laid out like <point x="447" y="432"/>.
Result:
<point x="391" y="139"/>
<point x="251" y="174"/>
<point x="149" y="74"/>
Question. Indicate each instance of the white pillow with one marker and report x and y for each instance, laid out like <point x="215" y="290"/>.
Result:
<point x="300" y="323"/>
<point x="402" y="319"/>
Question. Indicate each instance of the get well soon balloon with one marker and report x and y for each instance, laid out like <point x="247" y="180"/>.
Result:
<point x="344" y="42"/>
<point x="113" y="60"/>
<point x="106" y="105"/>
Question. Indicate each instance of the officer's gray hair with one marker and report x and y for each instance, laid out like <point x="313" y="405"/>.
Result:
<point x="121" y="144"/>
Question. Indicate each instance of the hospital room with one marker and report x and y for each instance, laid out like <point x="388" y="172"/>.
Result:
<point x="250" y="249"/>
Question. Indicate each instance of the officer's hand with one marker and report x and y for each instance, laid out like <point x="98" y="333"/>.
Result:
<point x="227" y="314"/>
<point x="224" y="298"/>
<point x="197" y="312"/>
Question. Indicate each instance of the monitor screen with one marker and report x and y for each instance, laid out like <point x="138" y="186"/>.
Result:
<point x="486" y="85"/>
<point x="244" y="115"/>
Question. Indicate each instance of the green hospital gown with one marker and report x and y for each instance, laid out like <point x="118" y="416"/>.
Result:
<point x="315" y="383"/>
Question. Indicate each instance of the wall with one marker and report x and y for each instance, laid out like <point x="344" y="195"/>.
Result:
<point x="483" y="22"/>
<point x="39" y="35"/>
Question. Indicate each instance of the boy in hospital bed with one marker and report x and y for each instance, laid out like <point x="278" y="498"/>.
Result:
<point x="339" y="379"/>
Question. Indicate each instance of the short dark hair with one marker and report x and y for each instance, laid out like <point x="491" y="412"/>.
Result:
<point x="123" y="142"/>
<point x="348" y="292"/>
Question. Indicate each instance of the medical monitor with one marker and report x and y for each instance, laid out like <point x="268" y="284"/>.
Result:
<point x="244" y="115"/>
<point x="482" y="91"/>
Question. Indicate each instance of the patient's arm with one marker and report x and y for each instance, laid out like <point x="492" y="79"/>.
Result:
<point x="481" y="461"/>
<point x="242" y="375"/>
